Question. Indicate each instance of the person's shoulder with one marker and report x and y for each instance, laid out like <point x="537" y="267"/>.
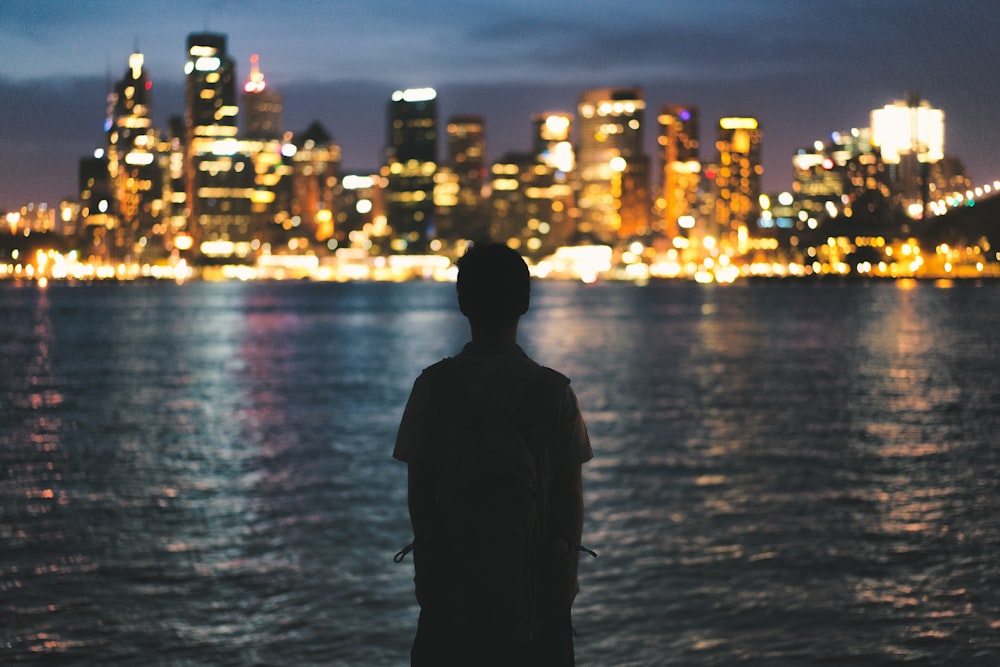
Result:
<point x="437" y="369"/>
<point x="553" y="375"/>
<point x="551" y="379"/>
<point x="438" y="376"/>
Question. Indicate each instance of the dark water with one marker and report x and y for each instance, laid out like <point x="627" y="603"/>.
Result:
<point x="786" y="473"/>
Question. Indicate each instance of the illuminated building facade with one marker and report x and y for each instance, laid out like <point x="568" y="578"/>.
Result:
<point x="411" y="163"/>
<point x="552" y="133"/>
<point x="172" y="155"/>
<point x="262" y="140"/>
<point x="681" y="166"/>
<point x="360" y="222"/>
<point x="736" y="178"/>
<point x="135" y="172"/>
<point x="613" y="169"/>
<point x="458" y="190"/>
<point x="96" y="200"/>
<point x="835" y="177"/>
<point x="262" y="106"/>
<point x="910" y="137"/>
<point x="909" y="127"/>
<point x="532" y="205"/>
<point x="316" y="184"/>
<point x="220" y="175"/>
<point x="819" y="180"/>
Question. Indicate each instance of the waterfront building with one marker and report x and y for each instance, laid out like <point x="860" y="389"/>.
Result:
<point x="553" y="140"/>
<point x="410" y="165"/>
<point x="835" y="177"/>
<point x="171" y="155"/>
<point x="33" y="219"/>
<point x="909" y="127"/>
<point x="262" y="106"/>
<point x="136" y="177"/>
<point x="316" y="186"/>
<point x="360" y="219"/>
<point x="458" y="190"/>
<point x="263" y="139"/>
<point x="910" y="137"/>
<point x="736" y="178"/>
<point x="219" y="173"/>
<point x="819" y="181"/>
<point x="96" y="201"/>
<point x="680" y="164"/>
<point x="532" y="205"/>
<point x="614" y="196"/>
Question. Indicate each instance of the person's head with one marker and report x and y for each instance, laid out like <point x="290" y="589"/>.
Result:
<point x="494" y="286"/>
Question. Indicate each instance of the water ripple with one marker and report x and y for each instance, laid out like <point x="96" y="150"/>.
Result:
<point x="786" y="473"/>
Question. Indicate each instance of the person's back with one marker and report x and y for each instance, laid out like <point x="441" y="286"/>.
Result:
<point x="492" y="391"/>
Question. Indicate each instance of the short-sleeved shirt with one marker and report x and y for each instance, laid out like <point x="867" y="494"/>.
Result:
<point x="495" y="375"/>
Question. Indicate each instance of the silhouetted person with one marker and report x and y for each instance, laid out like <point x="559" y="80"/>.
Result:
<point x="494" y="445"/>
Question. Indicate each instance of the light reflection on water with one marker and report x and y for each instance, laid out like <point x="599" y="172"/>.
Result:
<point x="786" y="474"/>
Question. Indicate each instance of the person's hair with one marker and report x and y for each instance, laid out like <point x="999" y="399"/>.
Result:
<point x="494" y="286"/>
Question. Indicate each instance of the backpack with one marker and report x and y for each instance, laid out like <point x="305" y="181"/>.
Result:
<point x="481" y="560"/>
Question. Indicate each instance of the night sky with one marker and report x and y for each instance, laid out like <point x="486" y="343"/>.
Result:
<point x="805" y="68"/>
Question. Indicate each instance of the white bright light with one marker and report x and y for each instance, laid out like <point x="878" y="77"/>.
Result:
<point x="901" y="129"/>
<point x="207" y="64"/>
<point x="414" y="95"/>
<point x="135" y="64"/>
<point x="139" y="158"/>
<point x="353" y="182"/>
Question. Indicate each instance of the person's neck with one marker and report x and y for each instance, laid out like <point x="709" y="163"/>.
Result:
<point x="494" y="336"/>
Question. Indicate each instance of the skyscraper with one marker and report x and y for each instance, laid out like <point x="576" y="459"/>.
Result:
<point x="220" y="177"/>
<point x="532" y="204"/>
<point x="910" y="135"/>
<point x="96" y="198"/>
<point x="613" y="168"/>
<point x="681" y="167"/>
<point x="262" y="106"/>
<point x="262" y="141"/>
<point x="135" y="175"/>
<point x="553" y="140"/>
<point x="737" y="178"/>
<point x="411" y="163"/>
<point x="458" y="193"/>
<point x="909" y="127"/>
<point x="315" y="182"/>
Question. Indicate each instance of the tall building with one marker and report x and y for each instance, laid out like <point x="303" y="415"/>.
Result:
<point x="359" y="224"/>
<point x="532" y="204"/>
<point x="316" y="183"/>
<point x="134" y="171"/>
<point x="613" y="168"/>
<point x="411" y="163"/>
<point x="96" y="201"/>
<point x="910" y="135"/>
<point x="736" y="179"/>
<point x="834" y="177"/>
<point x="909" y="127"/>
<point x="262" y="140"/>
<point x="458" y="192"/>
<point x="172" y="155"/>
<point x="681" y="167"/>
<point x="553" y="141"/>
<point x="220" y="176"/>
<point x="262" y="106"/>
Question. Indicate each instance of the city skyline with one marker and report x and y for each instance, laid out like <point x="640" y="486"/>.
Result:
<point x="803" y="73"/>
